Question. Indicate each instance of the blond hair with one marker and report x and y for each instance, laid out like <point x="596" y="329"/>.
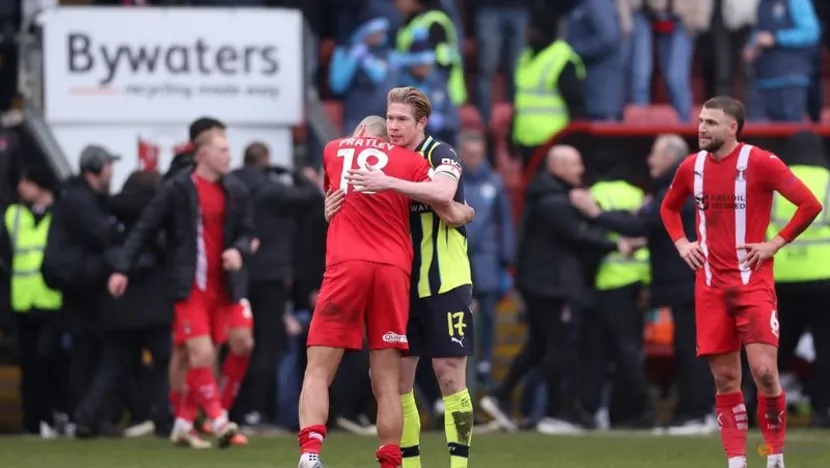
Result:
<point x="371" y="126"/>
<point x="414" y="98"/>
<point x="205" y="138"/>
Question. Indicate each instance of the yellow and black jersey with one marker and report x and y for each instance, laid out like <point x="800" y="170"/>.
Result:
<point x="441" y="263"/>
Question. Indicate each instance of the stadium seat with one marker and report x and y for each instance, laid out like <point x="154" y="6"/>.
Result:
<point x="648" y="115"/>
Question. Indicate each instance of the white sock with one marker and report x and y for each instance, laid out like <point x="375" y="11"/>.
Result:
<point x="219" y="422"/>
<point x="775" y="460"/>
<point x="181" y="425"/>
<point x="737" y="462"/>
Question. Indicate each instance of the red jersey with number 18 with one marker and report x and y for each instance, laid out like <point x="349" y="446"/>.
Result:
<point x="371" y="227"/>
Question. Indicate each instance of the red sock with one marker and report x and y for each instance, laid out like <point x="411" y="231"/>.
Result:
<point x="233" y="371"/>
<point x="389" y="456"/>
<point x="188" y="406"/>
<point x="200" y="380"/>
<point x="175" y="401"/>
<point x="311" y="438"/>
<point x="772" y="419"/>
<point x="733" y="423"/>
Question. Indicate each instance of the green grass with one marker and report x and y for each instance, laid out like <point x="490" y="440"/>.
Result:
<point x="526" y="450"/>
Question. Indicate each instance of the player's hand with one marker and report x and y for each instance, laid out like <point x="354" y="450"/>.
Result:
<point x="765" y="39"/>
<point x="231" y="260"/>
<point x="758" y="253"/>
<point x="691" y="253"/>
<point x="334" y="199"/>
<point x="365" y="180"/>
<point x="254" y="245"/>
<point x="117" y="284"/>
<point x="583" y="201"/>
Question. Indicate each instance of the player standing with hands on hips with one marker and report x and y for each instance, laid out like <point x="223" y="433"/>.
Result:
<point x="735" y="305"/>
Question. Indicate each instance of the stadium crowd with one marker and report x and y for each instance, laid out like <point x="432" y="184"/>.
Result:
<point x="588" y="257"/>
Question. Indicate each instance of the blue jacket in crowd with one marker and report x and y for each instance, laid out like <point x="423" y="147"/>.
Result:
<point x="490" y="236"/>
<point x="790" y="61"/>
<point x="593" y="31"/>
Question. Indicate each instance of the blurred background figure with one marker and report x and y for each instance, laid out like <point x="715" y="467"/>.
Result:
<point x="491" y="242"/>
<point x="550" y="91"/>
<point x="802" y="277"/>
<point x="82" y="230"/>
<point x="36" y="308"/>
<point x="782" y="49"/>
<point x="279" y="199"/>
<point x="137" y="322"/>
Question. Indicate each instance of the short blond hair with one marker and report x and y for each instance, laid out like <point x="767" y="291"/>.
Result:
<point x="414" y="98"/>
<point x="205" y="138"/>
<point x="373" y="126"/>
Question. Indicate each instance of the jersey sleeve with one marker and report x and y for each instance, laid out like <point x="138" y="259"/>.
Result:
<point x="777" y="176"/>
<point x="444" y="160"/>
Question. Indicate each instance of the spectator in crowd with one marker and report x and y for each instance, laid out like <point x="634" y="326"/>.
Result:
<point x="550" y="91"/>
<point x="490" y="240"/>
<point x="363" y="69"/>
<point x="184" y="161"/>
<point x="442" y="36"/>
<point x="558" y="253"/>
<point x="593" y="31"/>
<point x="36" y="307"/>
<point x="672" y="283"/>
<point x="802" y="273"/>
<point x="500" y="38"/>
<point x="138" y="321"/>
<point x="9" y="167"/>
<point x="673" y="26"/>
<point x="421" y="73"/>
<point x="724" y="42"/>
<point x="82" y="230"/>
<point x="782" y="49"/>
<point x="277" y="204"/>
<point x="613" y="325"/>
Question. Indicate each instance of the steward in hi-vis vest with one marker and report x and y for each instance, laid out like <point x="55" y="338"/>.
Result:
<point x="802" y="271"/>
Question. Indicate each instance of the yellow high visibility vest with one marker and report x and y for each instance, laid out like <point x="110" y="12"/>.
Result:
<point x="807" y="258"/>
<point x="28" y="241"/>
<point x="448" y="54"/>
<point x="539" y="110"/>
<point x="616" y="269"/>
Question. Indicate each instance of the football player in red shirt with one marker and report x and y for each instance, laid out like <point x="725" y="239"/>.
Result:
<point x="366" y="283"/>
<point x="209" y="225"/>
<point x="735" y="305"/>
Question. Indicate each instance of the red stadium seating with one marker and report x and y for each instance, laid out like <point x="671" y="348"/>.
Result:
<point x="657" y="114"/>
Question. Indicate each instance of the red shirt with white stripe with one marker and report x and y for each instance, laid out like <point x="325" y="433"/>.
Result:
<point x="210" y="276"/>
<point x="734" y="202"/>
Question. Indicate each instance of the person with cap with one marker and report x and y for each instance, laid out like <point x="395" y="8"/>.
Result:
<point x="364" y="69"/>
<point x="35" y="306"/>
<point x="81" y="231"/>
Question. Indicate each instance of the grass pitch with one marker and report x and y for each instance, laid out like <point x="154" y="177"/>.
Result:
<point x="805" y="449"/>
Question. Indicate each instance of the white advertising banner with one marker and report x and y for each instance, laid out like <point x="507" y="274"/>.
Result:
<point x="171" y="65"/>
<point x="148" y="146"/>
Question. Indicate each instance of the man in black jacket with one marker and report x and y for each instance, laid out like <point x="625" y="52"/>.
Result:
<point x="277" y="204"/>
<point x="672" y="281"/>
<point x="208" y="222"/>
<point x="558" y="254"/>
<point x="73" y="263"/>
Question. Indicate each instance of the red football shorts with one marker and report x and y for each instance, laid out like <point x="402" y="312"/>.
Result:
<point x="729" y="318"/>
<point x="203" y="313"/>
<point x="355" y="294"/>
<point x="240" y="316"/>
